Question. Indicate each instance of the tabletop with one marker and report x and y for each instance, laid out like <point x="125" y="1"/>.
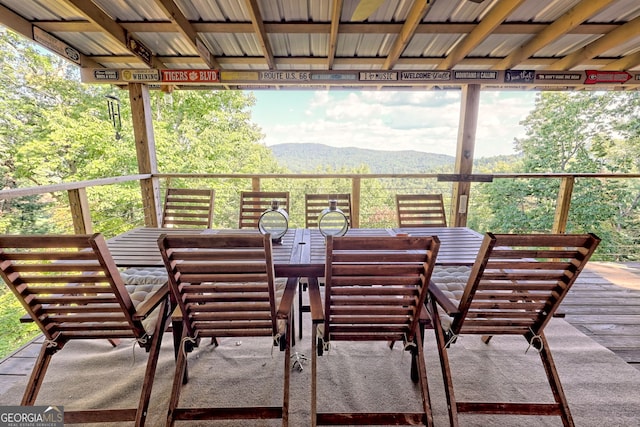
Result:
<point x="301" y="252"/>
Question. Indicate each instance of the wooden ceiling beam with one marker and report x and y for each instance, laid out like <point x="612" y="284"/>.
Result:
<point x="172" y="11"/>
<point x="319" y="27"/>
<point x="260" y="32"/>
<point x="482" y="30"/>
<point x="574" y="17"/>
<point x="418" y="10"/>
<point x="628" y="62"/>
<point x="615" y="38"/>
<point x="336" y="11"/>
<point x="104" y="22"/>
<point x="25" y="28"/>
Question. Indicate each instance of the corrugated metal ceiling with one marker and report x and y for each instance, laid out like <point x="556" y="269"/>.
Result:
<point x="297" y="34"/>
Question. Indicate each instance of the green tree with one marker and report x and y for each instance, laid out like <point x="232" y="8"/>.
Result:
<point x="570" y="132"/>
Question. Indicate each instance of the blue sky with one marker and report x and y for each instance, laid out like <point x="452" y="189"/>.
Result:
<point x="385" y="120"/>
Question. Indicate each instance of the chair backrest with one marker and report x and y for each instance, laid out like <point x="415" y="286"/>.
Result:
<point x="519" y="280"/>
<point x="254" y="203"/>
<point x="223" y="284"/>
<point x="376" y="286"/>
<point x="420" y="210"/>
<point x="69" y="285"/>
<point x="188" y="208"/>
<point x="314" y="204"/>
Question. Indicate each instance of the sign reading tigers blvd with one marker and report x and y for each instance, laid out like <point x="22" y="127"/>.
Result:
<point x="190" y="76"/>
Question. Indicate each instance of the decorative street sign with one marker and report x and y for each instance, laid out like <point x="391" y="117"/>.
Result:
<point x="52" y="43"/>
<point x="597" y="76"/>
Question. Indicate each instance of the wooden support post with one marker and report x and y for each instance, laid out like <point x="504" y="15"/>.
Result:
<point x="255" y="184"/>
<point x="464" y="154"/>
<point x="356" y="189"/>
<point x="80" y="212"/>
<point x="146" y="151"/>
<point x="563" y="203"/>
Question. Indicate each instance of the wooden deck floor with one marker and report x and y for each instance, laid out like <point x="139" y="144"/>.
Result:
<point x="604" y="305"/>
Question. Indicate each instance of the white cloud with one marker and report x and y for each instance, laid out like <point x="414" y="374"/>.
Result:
<point x="422" y="121"/>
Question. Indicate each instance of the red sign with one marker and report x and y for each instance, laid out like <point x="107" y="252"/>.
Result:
<point x="190" y="76"/>
<point x="594" y="77"/>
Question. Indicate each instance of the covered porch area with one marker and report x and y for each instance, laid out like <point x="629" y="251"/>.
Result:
<point x="595" y="348"/>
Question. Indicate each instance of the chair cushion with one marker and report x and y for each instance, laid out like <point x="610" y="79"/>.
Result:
<point x="144" y="276"/>
<point x="451" y="280"/>
<point x="142" y="283"/>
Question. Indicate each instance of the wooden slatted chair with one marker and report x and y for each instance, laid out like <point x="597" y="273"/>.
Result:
<point x="71" y="288"/>
<point x="514" y="288"/>
<point x="254" y="203"/>
<point x="375" y="291"/>
<point x="314" y="204"/>
<point x="188" y="208"/>
<point x="224" y="287"/>
<point x="420" y="210"/>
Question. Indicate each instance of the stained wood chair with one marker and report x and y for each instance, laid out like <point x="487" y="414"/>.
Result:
<point x="420" y="210"/>
<point x="375" y="291"/>
<point x="254" y="203"/>
<point x="188" y="208"/>
<point x="224" y="287"/>
<point x="314" y="204"/>
<point x="71" y="288"/>
<point x="514" y="288"/>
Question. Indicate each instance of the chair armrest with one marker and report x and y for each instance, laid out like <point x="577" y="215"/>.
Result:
<point x="443" y="301"/>
<point x="315" y="301"/>
<point x="286" y="302"/>
<point x="144" y="309"/>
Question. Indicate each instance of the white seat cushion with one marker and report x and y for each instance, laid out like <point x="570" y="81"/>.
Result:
<point x="451" y="281"/>
<point x="142" y="283"/>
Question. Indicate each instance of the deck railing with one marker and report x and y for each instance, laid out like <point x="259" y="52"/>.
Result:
<point x="78" y="204"/>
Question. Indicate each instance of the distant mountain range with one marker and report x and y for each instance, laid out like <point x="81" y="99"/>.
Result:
<point x="300" y="158"/>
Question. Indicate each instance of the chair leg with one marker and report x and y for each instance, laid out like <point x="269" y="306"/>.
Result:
<point x="422" y="374"/>
<point x="152" y="364"/>
<point x="444" y="365"/>
<point x="37" y="375"/>
<point x="300" y="289"/>
<point x="314" y="369"/>
<point x="287" y="374"/>
<point x="178" y="379"/>
<point x="554" y="382"/>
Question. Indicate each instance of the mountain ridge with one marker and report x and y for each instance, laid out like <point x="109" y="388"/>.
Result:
<point x="311" y="157"/>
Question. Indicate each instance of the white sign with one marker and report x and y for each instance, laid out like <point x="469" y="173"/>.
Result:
<point x="286" y="76"/>
<point x="378" y="76"/>
<point x="59" y="47"/>
<point x="426" y="75"/>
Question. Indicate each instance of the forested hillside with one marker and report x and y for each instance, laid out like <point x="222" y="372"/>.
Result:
<point x="314" y="157"/>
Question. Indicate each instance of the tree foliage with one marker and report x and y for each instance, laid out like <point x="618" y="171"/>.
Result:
<point x="575" y="132"/>
<point x="54" y="129"/>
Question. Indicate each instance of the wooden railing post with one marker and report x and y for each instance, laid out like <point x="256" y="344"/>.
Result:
<point x="80" y="212"/>
<point x="563" y="203"/>
<point x="255" y="184"/>
<point x="356" y="188"/>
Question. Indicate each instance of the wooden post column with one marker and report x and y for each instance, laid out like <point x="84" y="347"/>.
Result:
<point x="356" y="190"/>
<point x="146" y="151"/>
<point x="464" y="154"/>
<point x="80" y="212"/>
<point x="563" y="204"/>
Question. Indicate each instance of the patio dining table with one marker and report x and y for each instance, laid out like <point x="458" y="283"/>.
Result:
<point x="301" y="253"/>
